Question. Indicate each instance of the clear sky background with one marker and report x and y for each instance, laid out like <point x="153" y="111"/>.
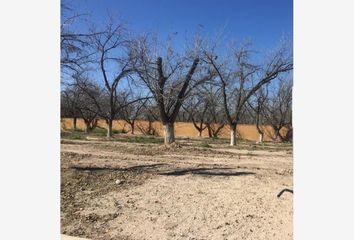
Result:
<point x="264" y="22"/>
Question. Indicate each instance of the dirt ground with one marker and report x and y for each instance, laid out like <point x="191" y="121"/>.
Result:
<point x="136" y="188"/>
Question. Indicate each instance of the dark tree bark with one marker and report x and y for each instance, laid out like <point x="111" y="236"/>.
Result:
<point x="214" y="129"/>
<point x="74" y="123"/>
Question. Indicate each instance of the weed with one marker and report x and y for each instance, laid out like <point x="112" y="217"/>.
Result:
<point x="118" y="131"/>
<point x="142" y="139"/>
<point x="204" y="145"/>
<point x="72" y="135"/>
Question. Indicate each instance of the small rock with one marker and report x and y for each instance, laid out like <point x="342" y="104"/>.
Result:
<point x="119" y="181"/>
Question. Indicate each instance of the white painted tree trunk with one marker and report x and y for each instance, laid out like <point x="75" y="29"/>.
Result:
<point x="109" y="129"/>
<point x="169" y="133"/>
<point x="232" y="136"/>
<point x="261" y="137"/>
<point x="200" y="133"/>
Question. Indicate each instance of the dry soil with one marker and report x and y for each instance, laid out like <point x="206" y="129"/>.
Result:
<point x="196" y="189"/>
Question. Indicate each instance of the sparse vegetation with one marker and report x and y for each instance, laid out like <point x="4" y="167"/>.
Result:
<point x="127" y="173"/>
<point x="118" y="180"/>
<point x="142" y="139"/>
<point x="205" y="145"/>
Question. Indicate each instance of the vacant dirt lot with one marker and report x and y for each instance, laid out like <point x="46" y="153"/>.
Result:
<point x="135" y="188"/>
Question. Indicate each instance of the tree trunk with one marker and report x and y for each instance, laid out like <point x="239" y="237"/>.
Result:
<point x="169" y="133"/>
<point x="289" y="134"/>
<point x="233" y="135"/>
<point x="87" y="127"/>
<point x="74" y="123"/>
<point x="150" y="128"/>
<point x="261" y="137"/>
<point x="260" y="132"/>
<point x="109" y="128"/>
<point x="132" y="127"/>
<point x="94" y="124"/>
<point x="199" y="128"/>
<point x="277" y="135"/>
<point x="209" y="131"/>
<point x="217" y="131"/>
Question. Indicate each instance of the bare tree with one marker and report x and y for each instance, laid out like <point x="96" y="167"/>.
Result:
<point x="240" y="78"/>
<point x="183" y="115"/>
<point x="69" y="105"/>
<point x="88" y="109"/>
<point x="131" y="112"/>
<point x="75" y="59"/>
<point x="169" y="77"/>
<point x="74" y="48"/>
<point x="215" y="117"/>
<point x="196" y="106"/>
<point x="149" y="113"/>
<point x="257" y="104"/>
<point x="205" y="110"/>
<point x="78" y="102"/>
<point x="289" y="133"/>
<point x="278" y="108"/>
<point x="111" y="58"/>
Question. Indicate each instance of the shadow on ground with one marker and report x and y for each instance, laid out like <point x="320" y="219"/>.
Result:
<point x="208" y="172"/>
<point x="164" y="169"/>
<point x="148" y="167"/>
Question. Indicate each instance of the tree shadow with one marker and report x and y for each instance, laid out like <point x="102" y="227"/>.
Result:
<point x="147" y="167"/>
<point x="160" y="169"/>
<point x="207" y="172"/>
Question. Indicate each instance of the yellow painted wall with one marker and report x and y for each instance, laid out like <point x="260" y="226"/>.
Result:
<point x="182" y="129"/>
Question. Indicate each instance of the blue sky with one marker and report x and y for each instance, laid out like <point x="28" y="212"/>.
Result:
<point x="263" y="22"/>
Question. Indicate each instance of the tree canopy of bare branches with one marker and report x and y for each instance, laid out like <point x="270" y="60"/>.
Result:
<point x="257" y="104"/>
<point x="170" y="77"/>
<point x="240" y="77"/>
<point x="208" y="83"/>
<point x="277" y="108"/>
<point x="133" y="110"/>
<point x="77" y="103"/>
<point x="111" y="64"/>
